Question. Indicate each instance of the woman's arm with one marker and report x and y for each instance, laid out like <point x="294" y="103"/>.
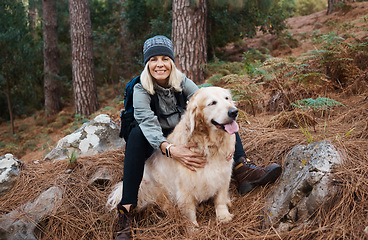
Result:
<point x="147" y="120"/>
<point x="184" y="155"/>
<point x="150" y="126"/>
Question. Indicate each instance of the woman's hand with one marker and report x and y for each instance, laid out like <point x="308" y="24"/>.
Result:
<point x="188" y="158"/>
<point x="185" y="156"/>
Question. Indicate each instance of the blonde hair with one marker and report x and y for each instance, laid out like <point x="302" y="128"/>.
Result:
<point x="175" y="79"/>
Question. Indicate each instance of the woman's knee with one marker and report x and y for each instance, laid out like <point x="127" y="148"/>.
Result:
<point x="136" y="138"/>
<point x="137" y="143"/>
<point x="136" y="132"/>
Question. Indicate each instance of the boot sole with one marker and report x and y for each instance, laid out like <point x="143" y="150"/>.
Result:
<point x="270" y="176"/>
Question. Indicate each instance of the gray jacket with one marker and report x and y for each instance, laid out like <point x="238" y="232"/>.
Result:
<point x="148" y="121"/>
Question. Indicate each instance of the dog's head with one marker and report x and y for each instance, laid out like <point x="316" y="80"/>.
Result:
<point x="212" y="107"/>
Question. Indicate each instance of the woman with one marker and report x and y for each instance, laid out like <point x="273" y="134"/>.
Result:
<point x="160" y="76"/>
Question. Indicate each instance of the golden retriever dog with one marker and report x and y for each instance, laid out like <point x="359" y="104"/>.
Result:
<point x="209" y="124"/>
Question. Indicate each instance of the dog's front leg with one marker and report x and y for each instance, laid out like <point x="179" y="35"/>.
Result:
<point x="187" y="206"/>
<point x="221" y="202"/>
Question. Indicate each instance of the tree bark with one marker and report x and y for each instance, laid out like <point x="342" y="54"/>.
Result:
<point x="10" y="108"/>
<point x="84" y="82"/>
<point x="51" y="58"/>
<point x="189" y="35"/>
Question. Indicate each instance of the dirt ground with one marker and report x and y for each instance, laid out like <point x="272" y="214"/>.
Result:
<point x="82" y="214"/>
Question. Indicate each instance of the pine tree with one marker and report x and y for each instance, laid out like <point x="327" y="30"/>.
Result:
<point x="84" y="82"/>
<point x="189" y="35"/>
<point x="51" y="58"/>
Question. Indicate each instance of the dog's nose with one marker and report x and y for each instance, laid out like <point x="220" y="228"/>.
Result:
<point x="233" y="113"/>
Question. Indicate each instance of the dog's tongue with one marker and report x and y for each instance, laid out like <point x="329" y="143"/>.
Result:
<point x="232" y="127"/>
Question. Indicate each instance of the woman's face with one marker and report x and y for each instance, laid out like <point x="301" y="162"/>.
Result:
<point x="160" y="68"/>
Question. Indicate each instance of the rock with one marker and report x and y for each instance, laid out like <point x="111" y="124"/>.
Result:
<point x="306" y="183"/>
<point x="9" y="172"/>
<point x="96" y="136"/>
<point x="21" y="222"/>
<point x="317" y="25"/>
<point x="277" y="102"/>
<point x="101" y="178"/>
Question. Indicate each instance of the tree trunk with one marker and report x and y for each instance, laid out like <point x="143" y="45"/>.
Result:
<point x="330" y="6"/>
<point x="8" y="98"/>
<point x="189" y="35"/>
<point x="51" y="58"/>
<point x="84" y="82"/>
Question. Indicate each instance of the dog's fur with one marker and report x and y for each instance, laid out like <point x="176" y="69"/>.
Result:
<point x="167" y="179"/>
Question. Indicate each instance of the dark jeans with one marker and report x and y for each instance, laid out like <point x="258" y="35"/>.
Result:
<point x="137" y="151"/>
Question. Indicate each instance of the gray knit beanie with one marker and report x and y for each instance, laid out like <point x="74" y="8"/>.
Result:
<point x="158" y="45"/>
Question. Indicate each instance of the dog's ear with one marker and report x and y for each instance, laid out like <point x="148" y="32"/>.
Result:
<point x="192" y="112"/>
<point x="194" y="115"/>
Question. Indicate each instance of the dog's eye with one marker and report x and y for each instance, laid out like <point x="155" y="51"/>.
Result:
<point x="227" y="98"/>
<point x="212" y="103"/>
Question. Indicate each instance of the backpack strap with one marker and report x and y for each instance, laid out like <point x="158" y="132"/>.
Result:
<point x="181" y="99"/>
<point x="154" y="104"/>
<point x="128" y="95"/>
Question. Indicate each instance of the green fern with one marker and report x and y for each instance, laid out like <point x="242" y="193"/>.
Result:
<point x="205" y="85"/>
<point x="308" y="77"/>
<point x="356" y="47"/>
<point x="330" y="42"/>
<point x="320" y="103"/>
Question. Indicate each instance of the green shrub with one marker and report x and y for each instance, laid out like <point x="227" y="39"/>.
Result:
<point x="56" y="125"/>
<point x="309" y="78"/>
<point x="12" y="147"/>
<point x="306" y="7"/>
<point x="2" y="144"/>
<point x="223" y="67"/>
<point x="205" y="85"/>
<point x="79" y="119"/>
<point x="320" y="103"/>
<point x="215" y="79"/>
<point x="30" y="145"/>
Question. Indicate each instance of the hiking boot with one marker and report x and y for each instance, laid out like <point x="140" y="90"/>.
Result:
<point x="248" y="175"/>
<point x="123" y="228"/>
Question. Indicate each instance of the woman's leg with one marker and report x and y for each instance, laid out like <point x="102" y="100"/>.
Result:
<point x="239" y="150"/>
<point x="247" y="174"/>
<point x="137" y="151"/>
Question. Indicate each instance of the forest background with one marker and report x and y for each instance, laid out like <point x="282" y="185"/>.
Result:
<point x="119" y="29"/>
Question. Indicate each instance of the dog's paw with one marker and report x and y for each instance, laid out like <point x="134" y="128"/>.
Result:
<point x="193" y="228"/>
<point x="224" y="216"/>
<point x="195" y="224"/>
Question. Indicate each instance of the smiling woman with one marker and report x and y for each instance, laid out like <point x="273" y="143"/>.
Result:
<point x="160" y="69"/>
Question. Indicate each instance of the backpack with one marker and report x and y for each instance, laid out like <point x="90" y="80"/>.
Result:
<point x="127" y="115"/>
